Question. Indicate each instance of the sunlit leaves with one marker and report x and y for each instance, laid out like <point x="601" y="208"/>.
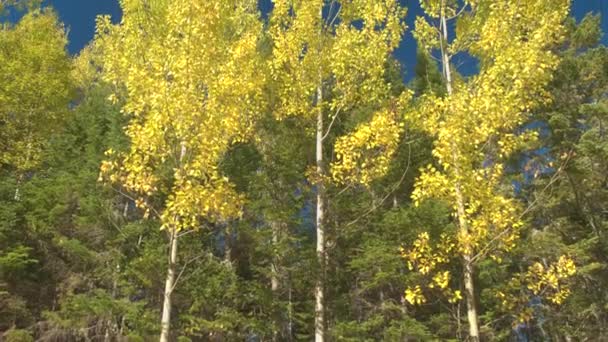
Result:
<point x="365" y="154"/>
<point x="189" y="75"/>
<point x="430" y="262"/>
<point x="550" y="282"/>
<point x="349" y="46"/>
<point x="35" y="86"/>
<point x="425" y="34"/>
<point x="476" y="127"/>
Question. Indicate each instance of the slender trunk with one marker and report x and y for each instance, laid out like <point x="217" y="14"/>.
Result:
<point x="469" y="285"/>
<point x="274" y="265"/>
<point x="111" y="326"/>
<point x="445" y="59"/>
<point x="169" y="285"/>
<point x="289" y="314"/>
<point x="165" y="321"/>
<point x="274" y="281"/>
<point x="458" y="322"/>
<point x="17" y="196"/>
<point x="122" y="326"/>
<point x="228" y="245"/>
<point x="469" y="294"/>
<point x="319" y="286"/>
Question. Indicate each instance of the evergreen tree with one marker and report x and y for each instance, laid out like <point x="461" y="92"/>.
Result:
<point x="202" y="118"/>
<point x="568" y="185"/>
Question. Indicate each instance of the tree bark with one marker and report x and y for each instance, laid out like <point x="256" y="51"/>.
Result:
<point x="469" y="284"/>
<point x="320" y="283"/>
<point x="289" y="313"/>
<point x="469" y="294"/>
<point x="468" y="271"/>
<point x="274" y="266"/>
<point x="165" y="321"/>
<point x="275" y="227"/>
<point x="169" y="285"/>
<point x="17" y="196"/>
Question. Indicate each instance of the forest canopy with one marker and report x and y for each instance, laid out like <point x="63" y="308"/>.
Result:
<point x="208" y="170"/>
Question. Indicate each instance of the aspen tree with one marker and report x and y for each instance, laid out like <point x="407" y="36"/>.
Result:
<point x="35" y="88"/>
<point x="187" y="74"/>
<point x="329" y="57"/>
<point x="475" y="126"/>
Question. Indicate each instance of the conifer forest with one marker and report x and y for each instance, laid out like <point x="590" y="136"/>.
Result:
<point x="218" y="170"/>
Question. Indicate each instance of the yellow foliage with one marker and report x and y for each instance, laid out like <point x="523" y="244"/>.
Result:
<point x="365" y="154"/>
<point x="550" y="282"/>
<point x="475" y="125"/>
<point x="414" y="296"/>
<point x="35" y="86"/>
<point x="428" y="261"/>
<point x="191" y="79"/>
<point x="309" y="50"/>
<point x="442" y="279"/>
<point x="341" y="54"/>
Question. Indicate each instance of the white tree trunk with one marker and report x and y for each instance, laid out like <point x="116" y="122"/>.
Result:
<point x="169" y="285"/>
<point x="275" y="226"/>
<point x="276" y="278"/>
<point x="320" y="283"/>
<point x="469" y="294"/>
<point x="468" y="270"/>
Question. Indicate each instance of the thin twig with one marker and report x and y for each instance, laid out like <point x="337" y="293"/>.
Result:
<point x="553" y="179"/>
<point x="376" y="206"/>
<point x="134" y="200"/>
<point x="458" y="13"/>
<point x="343" y="191"/>
<point x="184" y="268"/>
<point x="331" y="23"/>
<point x="331" y="123"/>
<point x="189" y="231"/>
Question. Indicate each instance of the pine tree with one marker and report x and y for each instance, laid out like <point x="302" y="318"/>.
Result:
<point x="568" y="183"/>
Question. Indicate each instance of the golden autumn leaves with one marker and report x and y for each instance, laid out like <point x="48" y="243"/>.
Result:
<point x="35" y="89"/>
<point x="193" y="88"/>
<point x="195" y="77"/>
<point x="427" y="260"/>
<point x="365" y="154"/>
<point x="192" y="84"/>
<point x="474" y="129"/>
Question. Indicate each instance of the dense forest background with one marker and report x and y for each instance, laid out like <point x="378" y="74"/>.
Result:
<point x="107" y="158"/>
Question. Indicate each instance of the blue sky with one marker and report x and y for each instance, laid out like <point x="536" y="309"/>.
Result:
<point x="79" y="18"/>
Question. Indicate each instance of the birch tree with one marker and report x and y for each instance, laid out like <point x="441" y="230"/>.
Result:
<point x="35" y="87"/>
<point x="328" y="58"/>
<point x="186" y="73"/>
<point x="475" y="128"/>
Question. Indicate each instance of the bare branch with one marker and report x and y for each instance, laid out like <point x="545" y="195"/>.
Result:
<point x="333" y="119"/>
<point x="531" y="206"/>
<point x="184" y="269"/>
